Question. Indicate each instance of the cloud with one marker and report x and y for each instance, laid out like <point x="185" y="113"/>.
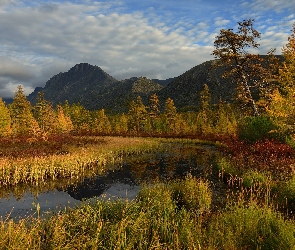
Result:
<point x="57" y="37"/>
<point x="275" y="5"/>
<point x="221" y="22"/>
<point x="125" y="38"/>
<point x="14" y="70"/>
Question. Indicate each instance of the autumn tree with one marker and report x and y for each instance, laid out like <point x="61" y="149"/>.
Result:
<point x="119" y="123"/>
<point x="101" y="123"/>
<point x="44" y="114"/>
<point x="287" y="70"/>
<point x="281" y="106"/>
<point x="225" y="122"/>
<point x="5" y="120"/>
<point x="64" y="123"/>
<point x="138" y="115"/>
<point x="170" y="115"/>
<point x="154" y="110"/>
<point x="80" y="117"/>
<point x="251" y="72"/>
<point x="204" y="118"/>
<point x="23" y="122"/>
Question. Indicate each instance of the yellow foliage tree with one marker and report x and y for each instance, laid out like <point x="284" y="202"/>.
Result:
<point x="64" y="123"/>
<point x="23" y="122"/>
<point x="5" y="120"/>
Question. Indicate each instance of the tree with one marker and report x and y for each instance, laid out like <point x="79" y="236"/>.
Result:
<point x="101" y="123"/>
<point x="154" y="109"/>
<point x="23" y="122"/>
<point x="287" y="71"/>
<point x="44" y="114"/>
<point x="252" y="73"/>
<point x="170" y="114"/>
<point x="137" y="115"/>
<point x="5" y="120"/>
<point x="64" y="123"/>
<point x="204" y="117"/>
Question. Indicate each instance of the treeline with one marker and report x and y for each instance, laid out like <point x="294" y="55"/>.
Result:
<point x="20" y="118"/>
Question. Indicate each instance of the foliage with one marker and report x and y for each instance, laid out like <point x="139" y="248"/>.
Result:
<point x="249" y="71"/>
<point x="255" y="178"/>
<point x="170" y="115"/>
<point x="23" y="122"/>
<point x="44" y="114"/>
<point x="195" y="195"/>
<point x="5" y="120"/>
<point x="251" y="227"/>
<point x="256" y="128"/>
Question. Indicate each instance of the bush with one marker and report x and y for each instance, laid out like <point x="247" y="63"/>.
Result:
<point x="226" y="168"/>
<point x="251" y="227"/>
<point x="192" y="194"/>
<point x="255" y="178"/>
<point x="256" y="128"/>
<point x="286" y="193"/>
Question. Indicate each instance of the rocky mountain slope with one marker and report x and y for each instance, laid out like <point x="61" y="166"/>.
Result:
<point x="95" y="89"/>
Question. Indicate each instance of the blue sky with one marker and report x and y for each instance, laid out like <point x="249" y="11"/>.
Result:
<point x="126" y="38"/>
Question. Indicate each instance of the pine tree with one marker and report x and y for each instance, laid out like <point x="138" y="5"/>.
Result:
<point x="154" y="110"/>
<point x="204" y="121"/>
<point x="138" y="116"/>
<point x="5" y="120"/>
<point x="170" y="115"/>
<point x="23" y="122"/>
<point x="101" y="123"/>
<point x="44" y="114"/>
<point x="64" y="123"/>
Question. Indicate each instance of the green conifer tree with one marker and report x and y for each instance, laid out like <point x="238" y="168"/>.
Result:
<point x="23" y="122"/>
<point x="44" y="114"/>
<point x="170" y="115"/>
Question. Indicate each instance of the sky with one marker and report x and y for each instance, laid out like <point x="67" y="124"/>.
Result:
<point x="126" y="38"/>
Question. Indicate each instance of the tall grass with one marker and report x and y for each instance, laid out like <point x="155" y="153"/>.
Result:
<point x="75" y="162"/>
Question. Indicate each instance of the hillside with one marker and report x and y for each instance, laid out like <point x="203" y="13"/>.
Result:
<point x="185" y="89"/>
<point x="95" y="89"/>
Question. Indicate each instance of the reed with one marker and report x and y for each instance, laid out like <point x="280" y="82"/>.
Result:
<point x="76" y="160"/>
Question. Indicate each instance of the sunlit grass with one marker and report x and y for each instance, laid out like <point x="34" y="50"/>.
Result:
<point x="74" y="162"/>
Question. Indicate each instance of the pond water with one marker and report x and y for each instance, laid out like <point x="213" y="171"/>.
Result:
<point x="123" y="182"/>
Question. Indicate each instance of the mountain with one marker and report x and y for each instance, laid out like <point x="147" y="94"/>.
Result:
<point x="185" y="89"/>
<point x="94" y="89"/>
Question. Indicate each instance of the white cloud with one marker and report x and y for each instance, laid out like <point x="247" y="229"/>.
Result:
<point x="42" y="39"/>
<point x="276" y="5"/>
<point x="221" y="22"/>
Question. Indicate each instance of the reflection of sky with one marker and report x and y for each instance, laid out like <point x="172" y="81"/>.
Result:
<point x="27" y="204"/>
<point x="57" y="200"/>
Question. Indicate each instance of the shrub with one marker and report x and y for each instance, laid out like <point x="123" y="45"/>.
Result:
<point x="286" y="193"/>
<point x="256" y="128"/>
<point x="255" y="178"/>
<point x="225" y="167"/>
<point x="251" y="227"/>
<point x="192" y="194"/>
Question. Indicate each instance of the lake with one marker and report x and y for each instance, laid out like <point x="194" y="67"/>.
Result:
<point x="122" y="182"/>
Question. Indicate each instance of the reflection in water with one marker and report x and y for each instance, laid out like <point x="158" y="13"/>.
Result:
<point x="123" y="182"/>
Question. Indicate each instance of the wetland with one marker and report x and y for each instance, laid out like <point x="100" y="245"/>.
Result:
<point x="146" y="193"/>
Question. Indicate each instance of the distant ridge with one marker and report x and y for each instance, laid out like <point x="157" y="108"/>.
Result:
<point x="95" y="89"/>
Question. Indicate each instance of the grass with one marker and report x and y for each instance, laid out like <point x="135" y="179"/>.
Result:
<point x="71" y="160"/>
<point x="179" y="214"/>
<point x="154" y="221"/>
